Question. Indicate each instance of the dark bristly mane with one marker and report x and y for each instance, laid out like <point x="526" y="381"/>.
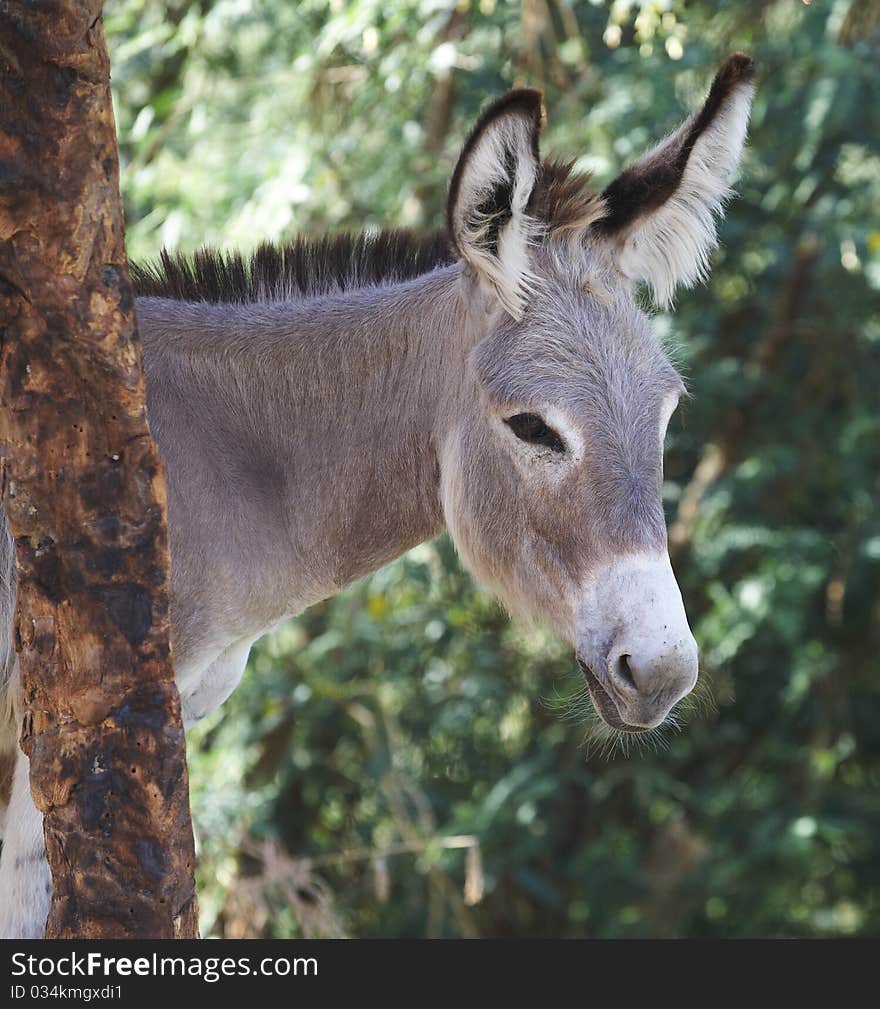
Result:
<point x="304" y="267"/>
<point x="565" y="199"/>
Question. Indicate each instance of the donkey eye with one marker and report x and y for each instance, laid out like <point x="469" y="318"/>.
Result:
<point x="529" y="427"/>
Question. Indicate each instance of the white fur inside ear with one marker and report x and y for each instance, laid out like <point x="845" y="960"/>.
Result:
<point x="667" y="409"/>
<point x="671" y="245"/>
<point x="503" y="156"/>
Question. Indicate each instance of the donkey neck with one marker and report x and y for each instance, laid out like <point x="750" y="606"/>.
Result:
<point x="299" y="440"/>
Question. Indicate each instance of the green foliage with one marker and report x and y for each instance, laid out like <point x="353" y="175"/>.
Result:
<point x="408" y="710"/>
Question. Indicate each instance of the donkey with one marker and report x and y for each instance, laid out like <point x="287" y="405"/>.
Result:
<point x="323" y="407"/>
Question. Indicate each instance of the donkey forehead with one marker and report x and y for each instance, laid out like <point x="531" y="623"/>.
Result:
<point x="583" y="343"/>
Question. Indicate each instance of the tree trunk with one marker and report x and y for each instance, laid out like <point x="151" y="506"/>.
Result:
<point x="84" y="493"/>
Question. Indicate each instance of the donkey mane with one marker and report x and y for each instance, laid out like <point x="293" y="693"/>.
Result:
<point x="307" y="267"/>
<point x="564" y="200"/>
<point x="303" y="267"/>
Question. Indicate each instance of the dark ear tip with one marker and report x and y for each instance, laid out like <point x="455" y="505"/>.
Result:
<point x="736" y="68"/>
<point x="525" y="101"/>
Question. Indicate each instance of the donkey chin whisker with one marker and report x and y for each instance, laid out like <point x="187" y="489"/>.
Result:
<point x="574" y="706"/>
<point x="701" y="701"/>
<point x="605" y="742"/>
<point x="601" y="739"/>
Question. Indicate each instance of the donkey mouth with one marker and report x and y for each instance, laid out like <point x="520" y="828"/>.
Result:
<point x="604" y="704"/>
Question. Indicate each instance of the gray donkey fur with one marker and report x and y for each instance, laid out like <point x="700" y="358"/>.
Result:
<point x="322" y="409"/>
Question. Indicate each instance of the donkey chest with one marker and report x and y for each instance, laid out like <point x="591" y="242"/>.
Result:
<point x="204" y="689"/>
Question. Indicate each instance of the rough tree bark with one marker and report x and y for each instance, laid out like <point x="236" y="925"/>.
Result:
<point x="85" y="496"/>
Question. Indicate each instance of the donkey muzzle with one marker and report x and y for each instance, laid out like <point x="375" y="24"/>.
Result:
<point x="634" y="646"/>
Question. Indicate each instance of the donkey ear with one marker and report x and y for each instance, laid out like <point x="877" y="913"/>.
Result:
<point x="489" y="196"/>
<point x="661" y="210"/>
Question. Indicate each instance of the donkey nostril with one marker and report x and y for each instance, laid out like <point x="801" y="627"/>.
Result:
<point x="623" y="672"/>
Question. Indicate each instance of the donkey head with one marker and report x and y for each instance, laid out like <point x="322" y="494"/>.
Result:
<point x="551" y="474"/>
